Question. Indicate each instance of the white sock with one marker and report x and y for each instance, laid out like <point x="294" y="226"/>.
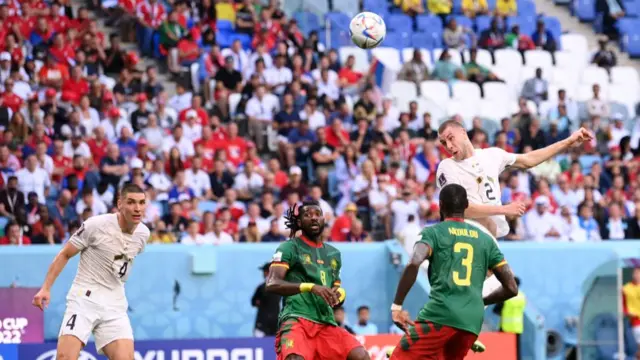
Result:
<point x="490" y="284"/>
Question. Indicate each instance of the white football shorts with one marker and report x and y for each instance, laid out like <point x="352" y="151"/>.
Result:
<point x="87" y="313"/>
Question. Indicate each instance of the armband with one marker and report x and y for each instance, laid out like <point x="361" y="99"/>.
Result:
<point x="306" y="287"/>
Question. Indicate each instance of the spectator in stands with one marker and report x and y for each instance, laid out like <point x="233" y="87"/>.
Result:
<point x="473" y="8"/>
<point x="364" y="327"/>
<point x="415" y="70"/>
<point x="441" y="8"/>
<point x="12" y="201"/>
<point x="455" y="36"/>
<point x="246" y="18"/>
<point x="339" y="315"/>
<point x="589" y="229"/>
<point x="616" y="227"/>
<point x="518" y="41"/>
<point x="33" y="178"/>
<point x="410" y="7"/>
<point x="611" y="11"/>
<point x="493" y="37"/>
<point x="478" y="73"/>
<point x="543" y="38"/>
<point x="444" y="69"/>
<point x="506" y="8"/>
<point x="14" y="235"/>
<point x="596" y="106"/>
<point x="150" y="14"/>
<point x="274" y="234"/>
<point x="536" y="89"/>
<point x="540" y="223"/>
<point x="357" y="233"/>
<point x="218" y="236"/>
<point x="604" y="57"/>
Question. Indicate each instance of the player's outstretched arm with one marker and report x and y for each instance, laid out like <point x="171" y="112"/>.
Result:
<point x="278" y="285"/>
<point x="533" y="158"/>
<point x="41" y="300"/>
<point x="508" y="289"/>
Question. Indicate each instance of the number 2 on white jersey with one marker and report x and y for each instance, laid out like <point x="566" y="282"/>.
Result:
<point x="467" y="262"/>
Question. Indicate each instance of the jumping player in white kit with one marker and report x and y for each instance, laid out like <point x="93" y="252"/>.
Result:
<point x="96" y="302"/>
<point x="478" y="171"/>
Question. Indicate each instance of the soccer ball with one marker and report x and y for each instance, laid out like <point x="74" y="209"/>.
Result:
<point x="367" y="30"/>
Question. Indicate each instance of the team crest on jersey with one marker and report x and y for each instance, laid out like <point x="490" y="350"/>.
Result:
<point x="320" y="261"/>
<point x="442" y="180"/>
<point x="334" y="264"/>
<point x="288" y="343"/>
<point x="306" y="258"/>
<point x="277" y="256"/>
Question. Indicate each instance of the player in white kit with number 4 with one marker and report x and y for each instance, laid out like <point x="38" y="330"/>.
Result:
<point x="96" y="302"/>
<point x="478" y="171"/>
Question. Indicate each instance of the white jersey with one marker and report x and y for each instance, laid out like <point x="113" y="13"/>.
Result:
<point x="106" y="254"/>
<point x="479" y="175"/>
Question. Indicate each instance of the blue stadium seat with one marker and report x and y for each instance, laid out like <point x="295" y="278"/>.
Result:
<point x="307" y="21"/>
<point x="482" y="23"/>
<point x="399" y="23"/>
<point x="527" y="24"/>
<point x="457" y="7"/>
<point x="553" y="24"/>
<point x="338" y="20"/>
<point x="633" y="42"/>
<point x="632" y="8"/>
<point x="224" y="25"/>
<point x="380" y="7"/>
<point x="422" y="41"/>
<point x="339" y="38"/>
<point x="206" y="205"/>
<point x="464" y="21"/>
<point x="526" y="6"/>
<point x="426" y="23"/>
<point x="397" y="40"/>
<point x="223" y="39"/>
<point x="585" y="10"/>
<point x="491" y="4"/>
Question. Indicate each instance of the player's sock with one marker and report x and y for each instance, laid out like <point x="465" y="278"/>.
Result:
<point x="478" y="347"/>
<point x="490" y="284"/>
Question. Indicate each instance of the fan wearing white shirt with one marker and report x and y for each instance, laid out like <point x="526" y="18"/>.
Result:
<point x="279" y="76"/>
<point x="96" y="205"/>
<point x="326" y="87"/>
<point x="113" y="124"/>
<point x="191" y="128"/>
<point x="180" y="141"/>
<point x="33" y="178"/>
<point x="260" y="109"/>
<point x="198" y="180"/>
<point x="311" y="114"/>
<point x="248" y="182"/>
<point x="181" y="100"/>
<point x="253" y="216"/>
<point x="541" y="224"/>
<point x="218" y="236"/>
<point x="44" y="161"/>
<point x="240" y="57"/>
<point x="261" y="53"/>
<point x="193" y="236"/>
<point x="324" y="64"/>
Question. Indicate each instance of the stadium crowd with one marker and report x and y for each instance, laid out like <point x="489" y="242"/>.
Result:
<point x="276" y="120"/>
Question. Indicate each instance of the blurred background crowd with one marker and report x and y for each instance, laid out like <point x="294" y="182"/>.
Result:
<point x="230" y="112"/>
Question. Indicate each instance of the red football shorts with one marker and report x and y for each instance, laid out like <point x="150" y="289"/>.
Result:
<point x="313" y="341"/>
<point x="431" y="341"/>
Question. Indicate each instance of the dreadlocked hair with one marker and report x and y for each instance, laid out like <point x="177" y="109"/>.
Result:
<point x="292" y="217"/>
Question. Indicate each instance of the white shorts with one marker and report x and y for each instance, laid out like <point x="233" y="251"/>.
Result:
<point x="85" y="316"/>
<point x="636" y="334"/>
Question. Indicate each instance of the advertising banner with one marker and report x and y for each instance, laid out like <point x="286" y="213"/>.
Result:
<point x="20" y="322"/>
<point x="500" y="346"/>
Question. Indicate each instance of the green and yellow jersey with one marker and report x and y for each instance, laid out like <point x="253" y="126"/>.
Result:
<point x="308" y="262"/>
<point x="461" y="254"/>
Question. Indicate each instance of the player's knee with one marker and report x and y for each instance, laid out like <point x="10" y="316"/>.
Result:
<point x="358" y="353"/>
<point x="67" y="355"/>
<point x="294" y="357"/>
<point x="123" y="356"/>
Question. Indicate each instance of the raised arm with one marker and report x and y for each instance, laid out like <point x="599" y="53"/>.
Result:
<point x="536" y="157"/>
<point x="508" y="289"/>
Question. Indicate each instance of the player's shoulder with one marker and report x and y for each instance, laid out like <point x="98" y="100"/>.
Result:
<point x="143" y="232"/>
<point x="330" y="249"/>
<point x="288" y="245"/>
<point x="101" y="221"/>
<point x="445" y="164"/>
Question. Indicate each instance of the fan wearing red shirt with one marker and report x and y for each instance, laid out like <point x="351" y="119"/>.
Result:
<point x="196" y="105"/>
<point x="38" y="136"/>
<point x="60" y="162"/>
<point x="53" y="74"/>
<point x="348" y="76"/>
<point x="64" y="53"/>
<point x="9" y="99"/>
<point x="267" y="31"/>
<point x="150" y="14"/>
<point x="336" y="135"/>
<point x="235" y="146"/>
<point x="342" y="225"/>
<point x="13" y="236"/>
<point x="15" y="50"/>
<point x="208" y="143"/>
<point x="58" y="22"/>
<point x="188" y="50"/>
<point x="76" y="84"/>
<point x="98" y="145"/>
